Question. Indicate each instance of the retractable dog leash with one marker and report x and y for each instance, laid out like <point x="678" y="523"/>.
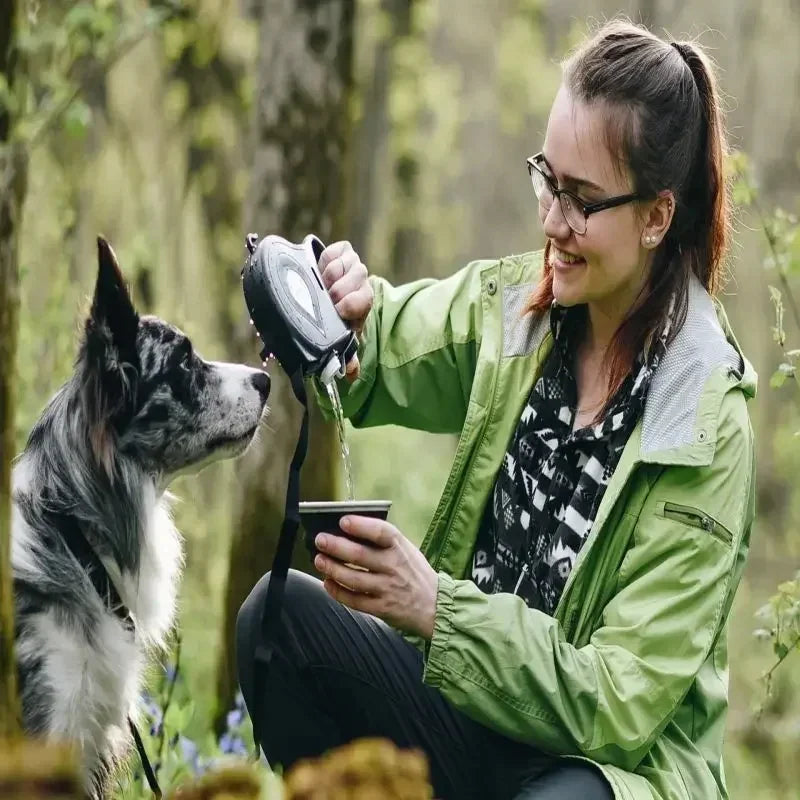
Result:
<point x="298" y="324"/>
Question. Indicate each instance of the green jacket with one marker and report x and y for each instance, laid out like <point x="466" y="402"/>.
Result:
<point x="632" y="670"/>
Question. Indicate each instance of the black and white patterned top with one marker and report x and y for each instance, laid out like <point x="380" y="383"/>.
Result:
<point x="552" y="478"/>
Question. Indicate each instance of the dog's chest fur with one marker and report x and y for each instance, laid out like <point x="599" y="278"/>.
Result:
<point x="82" y="669"/>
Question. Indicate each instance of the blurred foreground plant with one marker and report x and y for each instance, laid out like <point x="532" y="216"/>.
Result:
<point x="367" y="768"/>
<point x="33" y="769"/>
<point x="191" y="767"/>
<point x="780" y="617"/>
<point x="362" y="770"/>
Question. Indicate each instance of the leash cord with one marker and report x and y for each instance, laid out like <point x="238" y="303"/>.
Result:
<point x="152" y="781"/>
<point x="271" y="614"/>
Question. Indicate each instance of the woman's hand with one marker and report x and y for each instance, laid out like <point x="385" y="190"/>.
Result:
<point x="399" y="585"/>
<point x="345" y="278"/>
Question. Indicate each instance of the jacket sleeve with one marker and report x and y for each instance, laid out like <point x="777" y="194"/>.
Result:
<point x="512" y="669"/>
<point x="418" y="353"/>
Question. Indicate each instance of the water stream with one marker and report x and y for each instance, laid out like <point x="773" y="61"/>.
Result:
<point x="336" y="402"/>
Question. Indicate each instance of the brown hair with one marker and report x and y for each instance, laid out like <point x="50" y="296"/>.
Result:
<point x="664" y="124"/>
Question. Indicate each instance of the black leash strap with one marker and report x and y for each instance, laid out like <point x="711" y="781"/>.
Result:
<point x="152" y="781"/>
<point x="85" y="555"/>
<point x="271" y="614"/>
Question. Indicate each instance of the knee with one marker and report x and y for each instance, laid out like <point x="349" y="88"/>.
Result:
<point x="252" y="606"/>
<point x="300" y="591"/>
<point x="300" y="594"/>
<point x="248" y="620"/>
<point x="248" y="639"/>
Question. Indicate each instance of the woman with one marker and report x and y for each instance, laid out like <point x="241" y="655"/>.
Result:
<point x="564" y="625"/>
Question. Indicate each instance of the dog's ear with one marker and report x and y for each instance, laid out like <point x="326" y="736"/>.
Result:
<point x="109" y="353"/>
<point x="112" y="308"/>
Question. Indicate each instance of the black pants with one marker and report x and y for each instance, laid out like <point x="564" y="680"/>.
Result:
<point x="338" y="675"/>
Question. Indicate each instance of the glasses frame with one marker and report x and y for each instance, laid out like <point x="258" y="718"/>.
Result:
<point x="587" y="208"/>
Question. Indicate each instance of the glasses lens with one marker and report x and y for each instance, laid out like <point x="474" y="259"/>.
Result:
<point x="540" y="188"/>
<point x="573" y="214"/>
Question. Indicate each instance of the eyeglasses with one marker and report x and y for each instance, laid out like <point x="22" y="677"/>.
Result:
<point x="574" y="210"/>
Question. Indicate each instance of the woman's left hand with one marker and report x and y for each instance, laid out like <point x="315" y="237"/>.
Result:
<point x="399" y="585"/>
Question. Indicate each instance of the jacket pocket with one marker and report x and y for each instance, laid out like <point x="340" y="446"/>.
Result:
<point x="695" y="518"/>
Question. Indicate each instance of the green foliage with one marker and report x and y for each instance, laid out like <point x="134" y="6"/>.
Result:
<point x="780" y="617"/>
<point x="57" y="45"/>
<point x="526" y="74"/>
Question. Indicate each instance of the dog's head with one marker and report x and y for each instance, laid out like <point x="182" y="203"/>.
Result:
<point x="149" y="396"/>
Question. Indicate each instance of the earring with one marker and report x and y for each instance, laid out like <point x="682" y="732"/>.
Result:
<point x="649" y="240"/>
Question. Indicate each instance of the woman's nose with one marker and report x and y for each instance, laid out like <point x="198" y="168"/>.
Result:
<point x="554" y="224"/>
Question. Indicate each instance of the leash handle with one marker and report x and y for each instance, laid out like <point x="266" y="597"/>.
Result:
<point x="271" y="613"/>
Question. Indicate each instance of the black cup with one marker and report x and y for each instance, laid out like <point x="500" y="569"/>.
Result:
<point x="323" y="516"/>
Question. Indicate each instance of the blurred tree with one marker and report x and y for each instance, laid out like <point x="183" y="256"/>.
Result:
<point x="210" y="81"/>
<point x="13" y="173"/>
<point x="406" y="240"/>
<point x="300" y="163"/>
<point x="392" y="22"/>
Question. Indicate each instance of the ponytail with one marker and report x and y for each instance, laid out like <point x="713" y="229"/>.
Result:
<point x="707" y="187"/>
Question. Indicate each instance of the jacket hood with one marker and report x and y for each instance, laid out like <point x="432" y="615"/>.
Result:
<point x="701" y="363"/>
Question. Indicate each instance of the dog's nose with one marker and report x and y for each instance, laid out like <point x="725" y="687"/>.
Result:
<point x="261" y="384"/>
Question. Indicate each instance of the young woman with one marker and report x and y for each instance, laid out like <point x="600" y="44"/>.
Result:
<point x="562" y="632"/>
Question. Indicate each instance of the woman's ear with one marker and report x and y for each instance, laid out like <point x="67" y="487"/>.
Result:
<point x="658" y="220"/>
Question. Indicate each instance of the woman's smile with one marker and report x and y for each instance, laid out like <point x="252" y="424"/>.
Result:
<point x="563" y="261"/>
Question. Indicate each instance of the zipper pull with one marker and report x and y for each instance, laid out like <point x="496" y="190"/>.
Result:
<point x="522" y="575"/>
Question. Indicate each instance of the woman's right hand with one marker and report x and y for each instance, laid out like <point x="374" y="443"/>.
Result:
<point x="345" y="277"/>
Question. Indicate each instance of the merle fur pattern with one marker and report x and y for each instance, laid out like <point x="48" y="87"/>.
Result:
<point x="140" y="408"/>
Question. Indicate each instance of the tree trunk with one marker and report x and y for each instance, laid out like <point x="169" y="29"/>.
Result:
<point x="407" y="241"/>
<point x="371" y="173"/>
<point x="13" y="170"/>
<point x="300" y="163"/>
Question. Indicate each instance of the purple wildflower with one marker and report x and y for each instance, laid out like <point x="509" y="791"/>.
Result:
<point x="190" y="754"/>
<point x="234" y="718"/>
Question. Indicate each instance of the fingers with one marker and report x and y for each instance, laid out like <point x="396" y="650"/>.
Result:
<point x="347" y="551"/>
<point x="357" y="580"/>
<point x="377" y="532"/>
<point x="346" y="279"/>
<point x="351" y="280"/>
<point x="331" y="252"/>
<point x="358" y="602"/>
<point x="355" y="306"/>
<point x="335" y="261"/>
<point x="353" y="369"/>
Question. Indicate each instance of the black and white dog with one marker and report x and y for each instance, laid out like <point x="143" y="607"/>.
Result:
<point x="95" y="555"/>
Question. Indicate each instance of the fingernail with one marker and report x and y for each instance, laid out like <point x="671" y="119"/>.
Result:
<point x="319" y="563"/>
<point x="344" y="523"/>
<point x="321" y="540"/>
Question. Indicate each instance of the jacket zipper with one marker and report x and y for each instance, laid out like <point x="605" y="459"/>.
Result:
<point x="697" y="519"/>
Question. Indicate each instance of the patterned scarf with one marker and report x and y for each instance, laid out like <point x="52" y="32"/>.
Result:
<point x="552" y="478"/>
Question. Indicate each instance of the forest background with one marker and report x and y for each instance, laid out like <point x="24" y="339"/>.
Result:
<point x="173" y="128"/>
